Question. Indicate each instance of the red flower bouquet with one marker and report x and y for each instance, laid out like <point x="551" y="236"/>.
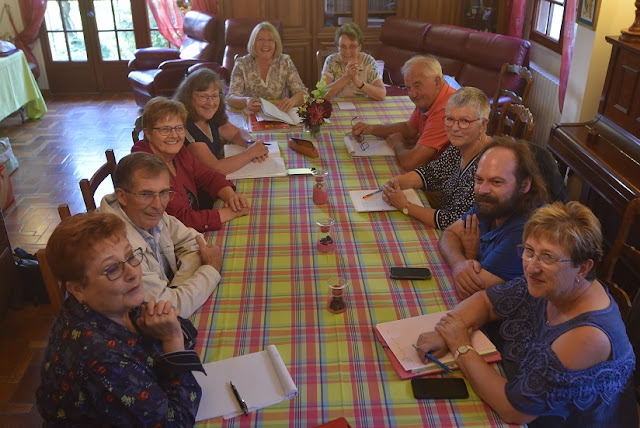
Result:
<point x="315" y="108"/>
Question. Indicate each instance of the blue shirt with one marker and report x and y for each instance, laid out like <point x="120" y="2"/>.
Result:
<point x="539" y="384"/>
<point x="497" y="249"/>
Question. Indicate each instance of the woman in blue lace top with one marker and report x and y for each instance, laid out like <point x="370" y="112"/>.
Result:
<point x="566" y="356"/>
<point x="112" y="359"/>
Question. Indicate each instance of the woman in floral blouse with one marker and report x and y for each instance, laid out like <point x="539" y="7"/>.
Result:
<point x="265" y="73"/>
<point x="112" y="359"/>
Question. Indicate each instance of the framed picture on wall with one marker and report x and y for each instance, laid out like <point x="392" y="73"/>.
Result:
<point x="588" y="13"/>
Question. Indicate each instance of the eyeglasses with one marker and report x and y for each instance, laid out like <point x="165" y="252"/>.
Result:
<point x="116" y="270"/>
<point x="545" y="259"/>
<point x="364" y="145"/>
<point x="261" y="40"/>
<point x="166" y="130"/>
<point x="148" y="197"/>
<point x="462" y="123"/>
<point x="204" y="97"/>
<point x="349" y="48"/>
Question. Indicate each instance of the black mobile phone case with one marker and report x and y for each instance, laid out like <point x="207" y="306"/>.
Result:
<point x="439" y="388"/>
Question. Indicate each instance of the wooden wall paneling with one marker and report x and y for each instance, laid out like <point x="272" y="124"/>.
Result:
<point x="433" y="11"/>
<point x="242" y="9"/>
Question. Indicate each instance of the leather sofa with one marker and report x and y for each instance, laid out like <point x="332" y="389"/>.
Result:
<point x="159" y="71"/>
<point x="472" y="57"/>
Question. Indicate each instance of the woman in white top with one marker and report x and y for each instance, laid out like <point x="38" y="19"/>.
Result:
<point x="350" y="72"/>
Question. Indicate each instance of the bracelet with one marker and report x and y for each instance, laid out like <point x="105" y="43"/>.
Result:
<point x="362" y="86"/>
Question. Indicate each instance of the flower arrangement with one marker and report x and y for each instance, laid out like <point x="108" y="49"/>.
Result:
<point x="315" y="108"/>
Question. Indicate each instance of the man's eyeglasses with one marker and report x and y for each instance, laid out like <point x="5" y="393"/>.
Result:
<point x="148" y="197"/>
<point x="166" y="130"/>
<point x="545" y="259"/>
<point x="364" y="145"/>
<point x="462" y="123"/>
<point x="116" y="270"/>
<point x="204" y="97"/>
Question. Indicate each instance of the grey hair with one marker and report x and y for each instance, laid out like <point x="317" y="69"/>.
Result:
<point x="428" y="64"/>
<point x="468" y="96"/>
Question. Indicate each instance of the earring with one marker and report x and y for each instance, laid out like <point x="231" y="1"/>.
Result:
<point x="577" y="282"/>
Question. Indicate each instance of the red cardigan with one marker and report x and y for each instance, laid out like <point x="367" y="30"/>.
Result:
<point x="191" y="176"/>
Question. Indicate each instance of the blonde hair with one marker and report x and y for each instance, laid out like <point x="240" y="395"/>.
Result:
<point x="264" y="26"/>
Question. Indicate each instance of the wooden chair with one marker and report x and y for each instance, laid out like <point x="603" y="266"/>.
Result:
<point x="321" y="56"/>
<point x="88" y="187"/>
<point x="509" y="73"/>
<point x="515" y="121"/>
<point x="56" y="292"/>
<point x="137" y="129"/>
<point x="621" y="248"/>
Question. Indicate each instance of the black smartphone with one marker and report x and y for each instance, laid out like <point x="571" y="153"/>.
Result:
<point x="446" y="388"/>
<point x="398" y="272"/>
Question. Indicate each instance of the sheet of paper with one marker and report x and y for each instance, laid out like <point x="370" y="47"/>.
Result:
<point x="239" y="120"/>
<point x="261" y="379"/>
<point x="401" y="335"/>
<point x="271" y="112"/>
<point x="346" y="105"/>
<point x="272" y="167"/>
<point x="376" y="147"/>
<point x="376" y="203"/>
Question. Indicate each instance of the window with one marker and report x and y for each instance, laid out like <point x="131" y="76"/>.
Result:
<point x="546" y="28"/>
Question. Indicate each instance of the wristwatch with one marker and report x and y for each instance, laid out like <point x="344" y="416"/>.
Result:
<point x="463" y="349"/>
<point x="405" y="210"/>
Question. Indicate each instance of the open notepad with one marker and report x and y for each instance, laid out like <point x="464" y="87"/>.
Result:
<point x="272" y="167"/>
<point x="376" y="203"/>
<point x="399" y="337"/>
<point x="261" y="379"/>
<point x="272" y="113"/>
<point x="375" y="148"/>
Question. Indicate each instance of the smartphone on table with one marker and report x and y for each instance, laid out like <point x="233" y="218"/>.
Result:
<point x="400" y="272"/>
<point x="445" y="388"/>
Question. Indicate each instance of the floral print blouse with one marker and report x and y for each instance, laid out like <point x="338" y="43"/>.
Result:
<point x="96" y="372"/>
<point x="368" y="73"/>
<point x="282" y="81"/>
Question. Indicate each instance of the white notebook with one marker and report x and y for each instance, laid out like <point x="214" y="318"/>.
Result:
<point x="376" y="147"/>
<point x="376" y="203"/>
<point x="270" y="112"/>
<point x="261" y="379"/>
<point x="272" y="167"/>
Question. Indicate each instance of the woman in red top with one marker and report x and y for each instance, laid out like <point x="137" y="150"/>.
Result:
<point x="196" y="186"/>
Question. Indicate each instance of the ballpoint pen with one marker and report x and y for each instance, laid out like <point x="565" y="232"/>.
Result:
<point x="243" y="405"/>
<point x="434" y="359"/>
<point x="372" y="194"/>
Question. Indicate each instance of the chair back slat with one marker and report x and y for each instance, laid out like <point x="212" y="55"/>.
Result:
<point x="89" y="187"/>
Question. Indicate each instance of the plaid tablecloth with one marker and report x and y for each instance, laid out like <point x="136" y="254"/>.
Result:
<point x="274" y="291"/>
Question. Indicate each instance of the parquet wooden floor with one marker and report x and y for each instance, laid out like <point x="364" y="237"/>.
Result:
<point x="54" y="153"/>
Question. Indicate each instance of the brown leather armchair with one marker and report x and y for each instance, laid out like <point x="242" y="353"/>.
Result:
<point x="159" y="71"/>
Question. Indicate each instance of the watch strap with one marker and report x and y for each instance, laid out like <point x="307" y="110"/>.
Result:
<point x="463" y="349"/>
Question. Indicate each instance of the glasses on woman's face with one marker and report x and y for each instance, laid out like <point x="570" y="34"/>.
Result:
<point x="165" y="131"/>
<point x="545" y="259"/>
<point x="364" y="145"/>
<point x="116" y="270"/>
<point x="148" y="197"/>
<point x="351" y="48"/>
<point x="263" y="40"/>
<point x="462" y="123"/>
<point x="203" y="98"/>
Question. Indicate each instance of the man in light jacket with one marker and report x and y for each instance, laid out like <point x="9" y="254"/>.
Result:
<point x="178" y="265"/>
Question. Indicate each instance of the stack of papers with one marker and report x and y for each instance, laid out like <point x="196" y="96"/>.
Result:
<point x="376" y="203"/>
<point x="261" y="379"/>
<point x="272" y="167"/>
<point x="376" y="147"/>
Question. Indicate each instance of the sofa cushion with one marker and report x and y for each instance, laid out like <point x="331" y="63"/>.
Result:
<point x="401" y="39"/>
<point x="446" y="41"/>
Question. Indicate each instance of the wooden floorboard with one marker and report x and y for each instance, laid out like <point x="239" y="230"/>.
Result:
<point x="54" y="153"/>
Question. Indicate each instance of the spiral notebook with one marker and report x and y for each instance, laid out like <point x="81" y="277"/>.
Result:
<point x="261" y="379"/>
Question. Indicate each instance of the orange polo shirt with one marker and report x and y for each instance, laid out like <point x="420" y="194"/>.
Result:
<point x="430" y="124"/>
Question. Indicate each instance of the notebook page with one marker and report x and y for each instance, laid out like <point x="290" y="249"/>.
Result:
<point x="376" y="203"/>
<point x="376" y="147"/>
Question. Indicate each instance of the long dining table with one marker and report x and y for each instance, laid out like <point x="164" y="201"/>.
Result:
<point x="274" y="290"/>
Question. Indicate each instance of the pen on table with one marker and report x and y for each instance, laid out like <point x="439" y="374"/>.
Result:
<point x="243" y="405"/>
<point x="434" y="359"/>
<point x="254" y="141"/>
<point x="372" y="194"/>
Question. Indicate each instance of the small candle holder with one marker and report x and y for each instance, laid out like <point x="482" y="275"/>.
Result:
<point x="326" y="243"/>
<point x="320" y="195"/>
<point x="337" y="303"/>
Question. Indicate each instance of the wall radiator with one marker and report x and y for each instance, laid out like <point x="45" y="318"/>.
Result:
<point x="543" y="103"/>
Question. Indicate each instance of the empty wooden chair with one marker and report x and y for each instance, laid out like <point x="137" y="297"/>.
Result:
<point x="621" y="248"/>
<point x="88" y="187"/>
<point x="509" y="73"/>
<point x="515" y="121"/>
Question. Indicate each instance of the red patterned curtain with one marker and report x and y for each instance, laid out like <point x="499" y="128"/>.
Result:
<point x="32" y="15"/>
<point x="516" y="18"/>
<point x="169" y="20"/>
<point x="570" y="13"/>
<point x="207" y="6"/>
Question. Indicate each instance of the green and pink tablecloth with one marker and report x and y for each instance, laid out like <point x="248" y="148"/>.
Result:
<point x="18" y="88"/>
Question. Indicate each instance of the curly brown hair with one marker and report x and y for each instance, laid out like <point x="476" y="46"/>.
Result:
<point x="202" y="80"/>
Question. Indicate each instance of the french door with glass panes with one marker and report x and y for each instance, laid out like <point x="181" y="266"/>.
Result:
<point x="88" y="43"/>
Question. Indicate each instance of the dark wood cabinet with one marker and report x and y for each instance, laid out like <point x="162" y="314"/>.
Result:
<point x="8" y="271"/>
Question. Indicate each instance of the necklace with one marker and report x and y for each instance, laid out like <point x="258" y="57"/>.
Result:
<point x="553" y="318"/>
<point x="574" y="304"/>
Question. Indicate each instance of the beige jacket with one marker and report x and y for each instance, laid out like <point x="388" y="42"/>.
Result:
<point x="193" y="282"/>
